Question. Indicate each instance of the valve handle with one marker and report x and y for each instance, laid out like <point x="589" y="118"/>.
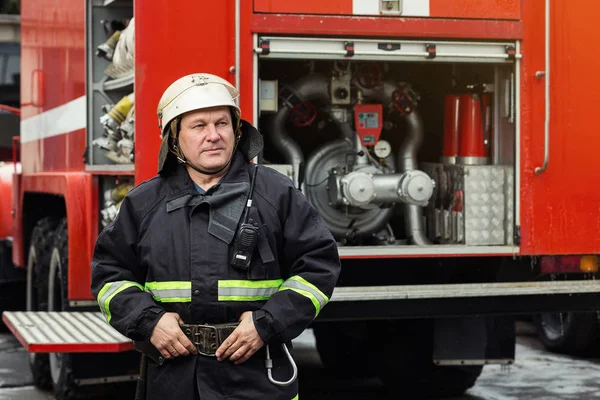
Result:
<point x="402" y="102"/>
<point x="303" y="114"/>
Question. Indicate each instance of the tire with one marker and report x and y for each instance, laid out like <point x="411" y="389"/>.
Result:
<point x="404" y="350"/>
<point x="453" y="381"/>
<point x="38" y="262"/>
<point x="568" y="333"/>
<point x="61" y="364"/>
<point x="66" y="367"/>
<point x="341" y="347"/>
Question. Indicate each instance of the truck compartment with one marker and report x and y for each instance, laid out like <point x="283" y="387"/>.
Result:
<point x="399" y="145"/>
<point x="110" y="85"/>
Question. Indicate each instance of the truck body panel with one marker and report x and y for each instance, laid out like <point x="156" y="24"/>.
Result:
<point x="402" y="59"/>
<point x="559" y="207"/>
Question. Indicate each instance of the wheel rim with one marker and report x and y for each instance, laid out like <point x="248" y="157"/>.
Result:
<point x="55" y="304"/>
<point x="554" y="324"/>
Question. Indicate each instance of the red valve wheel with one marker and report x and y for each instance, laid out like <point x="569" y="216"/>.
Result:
<point x="402" y="102"/>
<point x="303" y="114"/>
<point x="369" y="76"/>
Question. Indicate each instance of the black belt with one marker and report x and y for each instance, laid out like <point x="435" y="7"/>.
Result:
<point x="208" y="338"/>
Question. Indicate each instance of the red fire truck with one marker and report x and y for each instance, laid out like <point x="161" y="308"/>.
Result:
<point x="448" y="145"/>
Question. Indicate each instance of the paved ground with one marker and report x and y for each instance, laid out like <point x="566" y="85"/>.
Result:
<point x="536" y="375"/>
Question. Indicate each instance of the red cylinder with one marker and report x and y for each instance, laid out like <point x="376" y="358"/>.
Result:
<point x="472" y="142"/>
<point x="451" y="125"/>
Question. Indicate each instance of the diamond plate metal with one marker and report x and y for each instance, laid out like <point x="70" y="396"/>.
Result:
<point x="509" y="198"/>
<point x="484" y="215"/>
<point x="485" y="207"/>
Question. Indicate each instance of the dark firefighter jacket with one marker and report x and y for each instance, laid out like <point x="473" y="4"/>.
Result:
<point x="158" y="256"/>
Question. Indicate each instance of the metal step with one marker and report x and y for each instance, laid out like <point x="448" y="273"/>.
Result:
<point x="65" y="332"/>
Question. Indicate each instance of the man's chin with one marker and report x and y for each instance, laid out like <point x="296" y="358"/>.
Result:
<point x="213" y="166"/>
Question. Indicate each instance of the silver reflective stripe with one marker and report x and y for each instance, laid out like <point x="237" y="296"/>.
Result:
<point x="109" y="291"/>
<point x="245" y="290"/>
<point x="170" y="291"/>
<point x="102" y="299"/>
<point x="260" y="292"/>
<point x="171" y="295"/>
<point x="298" y="285"/>
<point x="306" y="289"/>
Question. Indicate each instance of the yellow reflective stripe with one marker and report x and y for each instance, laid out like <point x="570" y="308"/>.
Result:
<point x="310" y="285"/>
<point x="297" y="397"/>
<point x="239" y="290"/>
<point x="168" y="285"/>
<point x="170" y="292"/>
<point x="243" y="298"/>
<point x="109" y="291"/>
<point x="307" y="295"/>
<point x="307" y="289"/>
<point x="273" y="283"/>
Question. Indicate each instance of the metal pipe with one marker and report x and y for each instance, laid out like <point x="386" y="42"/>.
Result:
<point x="285" y="145"/>
<point x="352" y="137"/>
<point x="517" y="121"/>
<point x="237" y="45"/>
<point x="407" y="158"/>
<point x="407" y="161"/>
<point x="546" y="74"/>
<point x="311" y="87"/>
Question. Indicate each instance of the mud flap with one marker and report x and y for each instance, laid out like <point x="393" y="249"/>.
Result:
<point x="474" y="341"/>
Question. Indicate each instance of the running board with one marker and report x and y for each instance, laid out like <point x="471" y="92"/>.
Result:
<point x="65" y="332"/>
<point x="408" y="292"/>
<point x="460" y="300"/>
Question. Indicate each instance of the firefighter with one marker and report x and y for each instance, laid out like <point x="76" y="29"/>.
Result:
<point x="217" y="262"/>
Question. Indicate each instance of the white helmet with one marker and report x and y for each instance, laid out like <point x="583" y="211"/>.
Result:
<point x="194" y="92"/>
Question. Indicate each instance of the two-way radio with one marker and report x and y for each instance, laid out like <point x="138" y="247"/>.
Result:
<point x="247" y="235"/>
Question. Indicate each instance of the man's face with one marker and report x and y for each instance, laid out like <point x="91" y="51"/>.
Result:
<point x="207" y="137"/>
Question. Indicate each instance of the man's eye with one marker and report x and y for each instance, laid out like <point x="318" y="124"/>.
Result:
<point x="222" y="123"/>
<point x="199" y="126"/>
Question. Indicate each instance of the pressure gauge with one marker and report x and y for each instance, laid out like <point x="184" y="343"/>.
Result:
<point x="383" y="149"/>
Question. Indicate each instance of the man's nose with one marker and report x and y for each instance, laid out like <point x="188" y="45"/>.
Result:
<point x="212" y="134"/>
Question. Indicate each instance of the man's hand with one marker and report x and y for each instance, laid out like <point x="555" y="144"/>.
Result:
<point x="242" y="343"/>
<point x="169" y="339"/>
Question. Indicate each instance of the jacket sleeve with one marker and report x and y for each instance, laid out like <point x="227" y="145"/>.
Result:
<point x="311" y="253"/>
<point x="118" y="279"/>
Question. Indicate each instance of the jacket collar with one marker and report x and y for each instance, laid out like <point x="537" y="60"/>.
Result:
<point x="179" y="182"/>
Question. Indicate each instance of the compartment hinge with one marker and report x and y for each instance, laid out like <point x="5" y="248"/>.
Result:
<point x="349" y="47"/>
<point x="511" y="51"/>
<point x="265" y="46"/>
<point x="431" y="50"/>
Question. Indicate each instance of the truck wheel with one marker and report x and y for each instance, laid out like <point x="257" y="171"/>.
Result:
<point x="570" y="333"/>
<point x="453" y="381"/>
<point x="61" y="369"/>
<point x="342" y="348"/>
<point x="38" y="262"/>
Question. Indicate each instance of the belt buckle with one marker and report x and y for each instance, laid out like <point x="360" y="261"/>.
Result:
<point x="206" y="341"/>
